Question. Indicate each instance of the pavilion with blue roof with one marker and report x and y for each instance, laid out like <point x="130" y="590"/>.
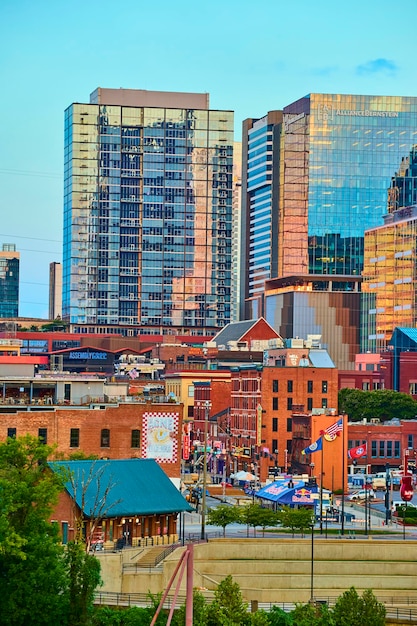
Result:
<point x="118" y="502"/>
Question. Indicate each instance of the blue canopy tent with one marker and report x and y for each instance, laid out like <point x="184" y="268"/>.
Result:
<point x="289" y="493"/>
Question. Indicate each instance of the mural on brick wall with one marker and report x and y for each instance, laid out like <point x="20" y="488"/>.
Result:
<point x="160" y="436"/>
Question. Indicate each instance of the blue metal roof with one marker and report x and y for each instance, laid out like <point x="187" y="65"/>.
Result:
<point x="320" y="358"/>
<point x="408" y="333"/>
<point x="130" y="487"/>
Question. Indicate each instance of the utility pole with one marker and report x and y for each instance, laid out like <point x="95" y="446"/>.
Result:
<point x="203" y="499"/>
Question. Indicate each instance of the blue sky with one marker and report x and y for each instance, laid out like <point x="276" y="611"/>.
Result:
<point x="251" y="57"/>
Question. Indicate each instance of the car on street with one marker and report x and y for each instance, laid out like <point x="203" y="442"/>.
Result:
<point x="362" y="494"/>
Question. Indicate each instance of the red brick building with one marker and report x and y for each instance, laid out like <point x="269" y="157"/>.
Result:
<point x="265" y="398"/>
<point x="131" y="430"/>
<point x="386" y="442"/>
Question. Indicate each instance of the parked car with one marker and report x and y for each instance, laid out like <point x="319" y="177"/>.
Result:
<point x="400" y="503"/>
<point x="362" y="494"/>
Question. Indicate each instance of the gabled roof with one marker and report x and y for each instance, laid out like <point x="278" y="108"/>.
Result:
<point x="235" y="331"/>
<point x="404" y="338"/>
<point x="134" y="487"/>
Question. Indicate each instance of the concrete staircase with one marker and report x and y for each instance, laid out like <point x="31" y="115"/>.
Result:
<point x="151" y="557"/>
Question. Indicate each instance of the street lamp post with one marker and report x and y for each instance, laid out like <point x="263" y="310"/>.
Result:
<point x="387" y="494"/>
<point x="203" y="498"/>
<point x="276" y="463"/>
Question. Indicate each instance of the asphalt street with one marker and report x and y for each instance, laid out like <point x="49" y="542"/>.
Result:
<point x="375" y="522"/>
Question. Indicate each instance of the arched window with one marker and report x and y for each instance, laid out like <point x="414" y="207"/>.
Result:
<point x="105" y="438"/>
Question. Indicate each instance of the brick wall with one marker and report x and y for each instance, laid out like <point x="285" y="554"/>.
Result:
<point x="119" y="420"/>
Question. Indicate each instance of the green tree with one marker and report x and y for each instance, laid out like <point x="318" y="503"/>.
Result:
<point x="84" y="577"/>
<point x="278" y="617"/>
<point x="296" y="519"/>
<point x="351" y="609"/>
<point x="200" y="609"/>
<point x="384" y="404"/>
<point x="228" y="608"/>
<point x="267" y="519"/>
<point x="106" y="616"/>
<point x="314" y="615"/>
<point x="223" y="515"/>
<point x="32" y="568"/>
<point x="259" y="618"/>
<point x="255" y="515"/>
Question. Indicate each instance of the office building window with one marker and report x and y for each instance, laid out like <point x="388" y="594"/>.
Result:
<point x="324" y="403"/>
<point x="275" y="424"/>
<point x="389" y="449"/>
<point x="309" y="404"/>
<point x="309" y="386"/>
<point x="397" y="451"/>
<point x="105" y="438"/>
<point x="413" y="389"/>
<point x="289" y="404"/>
<point x="74" y="438"/>
<point x="289" y="386"/>
<point x="289" y="446"/>
<point x="11" y="433"/>
<point x="275" y="404"/>
<point x="43" y="435"/>
<point x="324" y="386"/>
<point x="135" y="439"/>
<point x="275" y="446"/>
<point x="382" y="448"/>
<point x="410" y="443"/>
<point x="289" y="424"/>
<point x="275" y="386"/>
<point x="374" y="449"/>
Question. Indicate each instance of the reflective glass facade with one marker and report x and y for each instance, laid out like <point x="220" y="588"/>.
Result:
<point x="261" y="139"/>
<point x="339" y="153"/>
<point x="9" y="281"/>
<point x="389" y="287"/>
<point x="147" y="216"/>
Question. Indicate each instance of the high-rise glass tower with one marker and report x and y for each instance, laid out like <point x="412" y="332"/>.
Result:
<point x="312" y="183"/>
<point x="389" y="289"/>
<point x="260" y="181"/>
<point x="147" y="212"/>
<point x="9" y="280"/>
<point x="339" y="154"/>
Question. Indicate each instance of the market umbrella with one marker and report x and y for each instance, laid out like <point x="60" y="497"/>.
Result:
<point x="242" y="475"/>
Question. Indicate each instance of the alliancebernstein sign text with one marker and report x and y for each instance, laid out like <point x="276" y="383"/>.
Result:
<point x="366" y="113"/>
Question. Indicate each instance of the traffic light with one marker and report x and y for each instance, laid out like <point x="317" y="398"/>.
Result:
<point x="406" y="489"/>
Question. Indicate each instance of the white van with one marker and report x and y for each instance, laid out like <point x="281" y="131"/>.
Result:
<point x="379" y="481"/>
<point x="397" y="503"/>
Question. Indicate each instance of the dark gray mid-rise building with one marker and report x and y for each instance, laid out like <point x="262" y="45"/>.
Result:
<point x="9" y="280"/>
